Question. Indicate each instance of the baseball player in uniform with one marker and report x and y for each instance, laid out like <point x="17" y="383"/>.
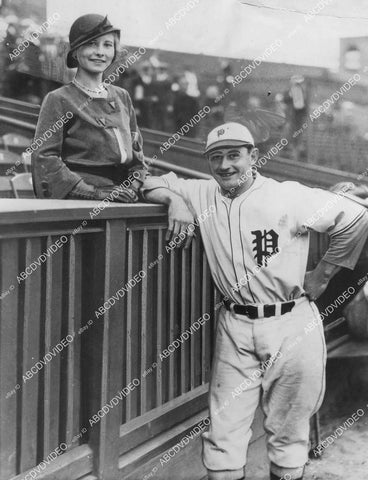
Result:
<point x="270" y="347"/>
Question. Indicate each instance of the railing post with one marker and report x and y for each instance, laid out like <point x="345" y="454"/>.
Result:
<point x="103" y="349"/>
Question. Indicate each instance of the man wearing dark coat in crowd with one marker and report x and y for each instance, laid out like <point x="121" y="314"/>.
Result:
<point x="185" y="107"/>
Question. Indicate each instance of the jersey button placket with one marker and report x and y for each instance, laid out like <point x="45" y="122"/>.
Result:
<point x="236" y="244"/>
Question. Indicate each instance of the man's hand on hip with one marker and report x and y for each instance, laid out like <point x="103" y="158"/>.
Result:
<point x="314" y="285"/>
<point x="316" y="281"/>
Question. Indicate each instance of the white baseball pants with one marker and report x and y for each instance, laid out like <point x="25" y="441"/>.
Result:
<point x="273" y="362"/>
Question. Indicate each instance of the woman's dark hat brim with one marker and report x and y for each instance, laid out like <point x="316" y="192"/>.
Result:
<point x="85" y="29"/>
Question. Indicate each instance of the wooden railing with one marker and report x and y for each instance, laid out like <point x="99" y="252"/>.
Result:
<point x="106" y="293"/>
<point x="59" y="301"/>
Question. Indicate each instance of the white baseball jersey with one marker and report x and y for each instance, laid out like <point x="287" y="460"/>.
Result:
<point x="257" y="243"/>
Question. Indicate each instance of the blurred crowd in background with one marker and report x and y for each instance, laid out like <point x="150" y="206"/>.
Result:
<point x="167" y="94"/>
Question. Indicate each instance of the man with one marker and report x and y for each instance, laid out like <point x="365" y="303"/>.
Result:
<point x="270" y="347"/>
<point x="161" y="87"/>
<point x="185" y="106"/>
<point x="297" y="101"/>
<point x="345" y="278"/>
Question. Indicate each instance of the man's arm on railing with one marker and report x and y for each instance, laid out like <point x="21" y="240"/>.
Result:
<point x="179" y="215"/>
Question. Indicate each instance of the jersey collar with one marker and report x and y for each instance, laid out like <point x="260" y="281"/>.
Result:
<point x="258" y="182"/>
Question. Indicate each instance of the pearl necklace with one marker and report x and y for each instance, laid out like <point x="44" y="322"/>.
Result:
<point x="96" y="91"/>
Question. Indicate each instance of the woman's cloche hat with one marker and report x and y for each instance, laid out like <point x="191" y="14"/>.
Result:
<point x="84" y="29"/>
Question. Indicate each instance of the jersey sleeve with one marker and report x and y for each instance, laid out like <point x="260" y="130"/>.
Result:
<point x="188" y="189"/>
<point x="342" y="219"/>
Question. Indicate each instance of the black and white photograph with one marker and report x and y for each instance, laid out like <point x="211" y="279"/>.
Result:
<point x="183" y="240"/>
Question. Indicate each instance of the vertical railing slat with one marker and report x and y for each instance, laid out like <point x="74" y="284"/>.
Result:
<point x="47" y="371"/>
<point x="144" y="306"/>
<point x="31" y="355"/>
<point x="173" y="276"/>
<point x="185" y="322"/>
<point x="160" y="314"/>
<point x="128" y="358"/>
<point x="196" y="290"/>
<point x="53" y="329"/>
<point x="8" y="358"/>
<point x="72" y="417"/>
<point x="149" y="383"/>
<point x="206" y="329"/>
<point x="134" y="313"/>
<point x="107" y="341"/>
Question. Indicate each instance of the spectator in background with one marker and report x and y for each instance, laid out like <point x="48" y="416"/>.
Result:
<point x="144" y="96"/>
<point x="127" y="76"/>
<point x="296" y="100"/>
<point x="28" y="66"/>
<point x="280" y="108"/>
<point x="224" y="81"/>
<point x="342" y="114"/>
<point x="253" y="102"/>
<point x="226" y="76"/>
<point x="216" y="115"/>
<point x="8" y="45"/>
<point x="161" y="89"/>
<point x="136" y="90"/>
<point x="22" y="77"/>
<point x="184" y="107"/>
<point x="280" y="105"/>
<point x="192" y="81"/>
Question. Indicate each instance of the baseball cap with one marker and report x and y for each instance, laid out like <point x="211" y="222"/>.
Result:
<point x="229" y="134"/>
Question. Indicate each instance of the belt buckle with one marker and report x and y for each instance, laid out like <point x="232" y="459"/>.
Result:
<point x="260" y="311"/>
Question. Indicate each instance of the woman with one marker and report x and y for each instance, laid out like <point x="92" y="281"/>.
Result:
<point x="87" y="143"/>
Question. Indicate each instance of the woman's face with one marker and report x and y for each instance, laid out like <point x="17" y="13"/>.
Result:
<point x="96" y="55"/>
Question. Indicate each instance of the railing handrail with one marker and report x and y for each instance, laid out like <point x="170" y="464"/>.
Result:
<point x="19" y="103"/>
<point x="17" y="123"/>
<point x="39" y="210"/>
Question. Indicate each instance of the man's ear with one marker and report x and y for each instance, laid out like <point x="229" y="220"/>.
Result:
<point x="254" y="154"/>
<point x="209" y="163"/>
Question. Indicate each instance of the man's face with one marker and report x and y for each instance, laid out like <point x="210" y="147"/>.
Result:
<point x="231" y="167"/>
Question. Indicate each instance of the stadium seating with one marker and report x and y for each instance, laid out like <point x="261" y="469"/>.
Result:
<point x="22" y="186"/>
<point x="15" y="142"/>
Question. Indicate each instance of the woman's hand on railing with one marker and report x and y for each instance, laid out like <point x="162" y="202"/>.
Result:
<point x="114" y="193"/>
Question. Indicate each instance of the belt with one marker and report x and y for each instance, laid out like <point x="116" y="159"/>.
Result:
<point x="259" y="311"/>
